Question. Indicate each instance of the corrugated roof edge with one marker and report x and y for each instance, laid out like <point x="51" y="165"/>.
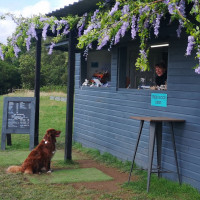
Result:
<point x="79" y="8"/>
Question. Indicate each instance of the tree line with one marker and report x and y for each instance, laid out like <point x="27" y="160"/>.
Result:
<point x="20" y="72"/>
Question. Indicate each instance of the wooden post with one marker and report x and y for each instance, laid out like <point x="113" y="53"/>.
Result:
<point x="37" y="85"/>
<point x="70" y="96"/>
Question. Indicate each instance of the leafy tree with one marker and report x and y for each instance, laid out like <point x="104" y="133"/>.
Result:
<point x="53" y="68"/>
<point x="9" y="77"/>
<point x="27" y="69"/>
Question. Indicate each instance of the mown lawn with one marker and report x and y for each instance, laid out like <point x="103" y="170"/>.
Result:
<point x="19" y="186"/>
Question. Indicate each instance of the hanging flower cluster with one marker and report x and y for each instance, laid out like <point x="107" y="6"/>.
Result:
<point x="108" y="25"/>
<point x="28" y="29"/>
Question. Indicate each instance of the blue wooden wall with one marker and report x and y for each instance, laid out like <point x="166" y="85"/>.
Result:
<point x="102" y="116"/>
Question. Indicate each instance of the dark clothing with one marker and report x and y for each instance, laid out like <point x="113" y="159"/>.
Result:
<point x="160" y="80"/>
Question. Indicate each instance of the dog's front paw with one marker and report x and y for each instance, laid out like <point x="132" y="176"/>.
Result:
<point x="49" y="172"/>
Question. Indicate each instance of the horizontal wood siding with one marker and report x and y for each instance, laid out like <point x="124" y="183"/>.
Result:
<point x="102" y="116"/>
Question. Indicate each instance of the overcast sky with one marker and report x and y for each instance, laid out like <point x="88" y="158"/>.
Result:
<point x="26" y="8"/>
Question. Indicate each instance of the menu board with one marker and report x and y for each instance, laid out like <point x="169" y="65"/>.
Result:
<point x="18" y="114"/>
<point x="18" y="118"/>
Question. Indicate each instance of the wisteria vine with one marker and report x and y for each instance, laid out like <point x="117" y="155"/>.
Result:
<point x="108" y="24"/>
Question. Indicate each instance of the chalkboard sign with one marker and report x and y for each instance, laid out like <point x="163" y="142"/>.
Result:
<point x="18" y="118"/>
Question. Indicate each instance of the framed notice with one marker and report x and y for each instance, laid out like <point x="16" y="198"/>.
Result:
<point x="18" y="118"/>
<point x="159" y="99"/>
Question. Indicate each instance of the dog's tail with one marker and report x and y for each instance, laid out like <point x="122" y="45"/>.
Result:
<point x="14" y="169"/>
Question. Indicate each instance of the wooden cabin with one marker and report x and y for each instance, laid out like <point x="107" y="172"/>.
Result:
<point x="102" y="112"/>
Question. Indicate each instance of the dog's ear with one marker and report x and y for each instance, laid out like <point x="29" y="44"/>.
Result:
<point x="48" y="134"/>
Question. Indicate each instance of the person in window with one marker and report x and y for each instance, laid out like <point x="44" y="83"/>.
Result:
<point x="161" y="74"/>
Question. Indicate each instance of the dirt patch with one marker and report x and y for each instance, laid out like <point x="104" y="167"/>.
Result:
<point x="106" y="186"/>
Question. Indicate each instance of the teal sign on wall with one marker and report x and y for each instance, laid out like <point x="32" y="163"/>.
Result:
<point x="159" y="99"/>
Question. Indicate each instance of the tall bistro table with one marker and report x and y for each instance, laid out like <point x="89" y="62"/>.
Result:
<point x="155" y="133"/>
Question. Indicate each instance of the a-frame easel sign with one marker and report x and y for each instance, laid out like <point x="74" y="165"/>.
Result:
<point x="18" y="118"/>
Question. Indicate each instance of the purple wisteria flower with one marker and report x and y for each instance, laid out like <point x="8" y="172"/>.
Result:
<point x="137" y="27"/>
<point x="181" y="7"/>
<point x="171" y="8"/>
<point x="117" y="36"/>
<point x="1" y="54"/>
<point x="166" y="2"/>
<point x="104" y="41"/>
<point x="80" y="29"/>
<point x="14" y="38"/>
<point x="195" y="6"/>
<point x="64" y="22"/>
<point x="85" y="54"/>
<point x="115" y="8"/>
<point x="111" y="43"/>
<point x="143" y="54"/>
<point x="191" y="43"/>
<point x="197" y="70"/>
<point x="181" y="23"/>
<point x="146" y="23"/>
<point x="89" y="28"/>
<point x="16" y="50"/>
<point x="51" y="48"/>
<point x="57" y="24"/>
<point x="32" y="32"/>
<point x="133" y="27"/>
<point x="94" y="25"/>
<point x="28" y="42"/>
<point x="53" y="28"/>
<point x="66" y="29"/>
<point x="124" y="28"/>
<point x="44" y="31"/>
<point x="144" y="9"/>
<point x="125" y="9"/>
<point x="93" y="18"/>
<point x="42" y="19"/>
<point x="81" y="24"/>
<point x="157" y="24"/>
<point x="121" y="32"/>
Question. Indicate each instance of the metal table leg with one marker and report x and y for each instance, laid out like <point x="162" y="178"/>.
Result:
<point x="159" y="146"/>
<point x="151" y="150"/>
<point x="175" y="154"/>
<point x="136" y="146"/>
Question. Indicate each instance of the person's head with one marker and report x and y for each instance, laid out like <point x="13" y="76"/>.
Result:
<point x="160" y="69"/>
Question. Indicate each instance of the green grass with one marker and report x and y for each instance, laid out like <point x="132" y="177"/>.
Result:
<point x="17" y="157"/>
<point x="160" y="189"/>
<point x="52" y="115"/>
<point x="70" y="176"/>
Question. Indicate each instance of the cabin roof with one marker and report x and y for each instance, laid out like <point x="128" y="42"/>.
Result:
<point x="77" y="8"/>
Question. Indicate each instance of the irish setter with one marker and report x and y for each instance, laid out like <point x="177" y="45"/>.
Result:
<point x="40" y="157"/>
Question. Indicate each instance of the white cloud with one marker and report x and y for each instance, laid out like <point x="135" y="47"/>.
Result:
<point x="7" y="27"/>
<point x="63" y="3"/>
<point x="41" y="7"/>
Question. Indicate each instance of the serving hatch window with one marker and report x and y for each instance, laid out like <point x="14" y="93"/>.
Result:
<point x="155" y="78"/>
<point x="97" y="69"/>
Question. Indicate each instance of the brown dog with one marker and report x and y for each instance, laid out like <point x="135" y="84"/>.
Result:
<point x="40" y="157"/>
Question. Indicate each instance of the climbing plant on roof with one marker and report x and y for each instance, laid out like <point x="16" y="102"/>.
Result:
<point x="108" y="25"/>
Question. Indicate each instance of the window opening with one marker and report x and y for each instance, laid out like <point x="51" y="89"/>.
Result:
<point x="97" y="69"/>
<point x="130" y="77"/>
